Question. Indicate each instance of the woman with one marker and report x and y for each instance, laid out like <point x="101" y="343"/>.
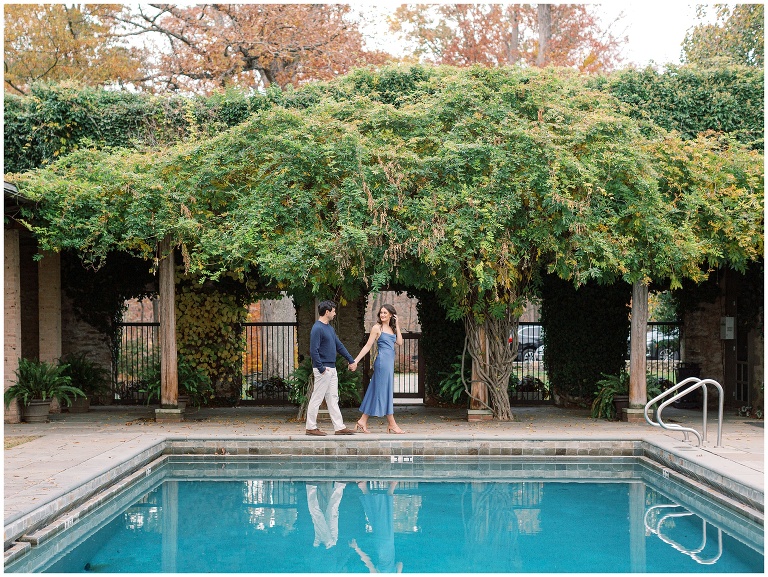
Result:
<point x="378" y="399"/>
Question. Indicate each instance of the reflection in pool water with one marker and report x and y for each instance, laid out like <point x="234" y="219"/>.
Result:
<point x="225" y="522"/>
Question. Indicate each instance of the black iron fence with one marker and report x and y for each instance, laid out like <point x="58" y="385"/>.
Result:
<point x="137" y="357"/>
<point x="662" y="351"/>
<point x="529" y="383"/>
<point x="271" y="355"/>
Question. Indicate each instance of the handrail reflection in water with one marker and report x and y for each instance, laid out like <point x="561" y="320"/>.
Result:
<point x="692" y="553"/>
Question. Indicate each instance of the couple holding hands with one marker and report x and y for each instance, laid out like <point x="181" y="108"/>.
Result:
<point x="323" y="346"/>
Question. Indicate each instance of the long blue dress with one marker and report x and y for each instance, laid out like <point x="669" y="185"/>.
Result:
<point x="378" y="398"/>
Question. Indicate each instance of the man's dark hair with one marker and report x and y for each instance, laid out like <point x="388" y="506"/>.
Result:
<point x="325" y="306"/>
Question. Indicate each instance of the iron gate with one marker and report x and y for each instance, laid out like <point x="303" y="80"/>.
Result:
<point x="271" y="355"/>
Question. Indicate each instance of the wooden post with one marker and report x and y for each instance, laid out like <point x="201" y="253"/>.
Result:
<point x="169" y="382"/>
<point x="638" y="330"/>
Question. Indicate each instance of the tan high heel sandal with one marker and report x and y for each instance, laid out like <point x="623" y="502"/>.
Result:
<point x="360" y="429"/>
<point x="390" y="430"/>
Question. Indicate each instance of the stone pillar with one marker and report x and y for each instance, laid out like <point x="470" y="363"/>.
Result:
<point x="12" y="335"/>
<point x="49" y="315"/>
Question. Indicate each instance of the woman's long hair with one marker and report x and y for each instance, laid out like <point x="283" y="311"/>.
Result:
<point x="392" y="311"/>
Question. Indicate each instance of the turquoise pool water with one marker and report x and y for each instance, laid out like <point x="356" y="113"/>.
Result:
<point x="272" y="516"/>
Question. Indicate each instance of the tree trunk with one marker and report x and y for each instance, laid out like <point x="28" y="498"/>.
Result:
<point x="513" y="48"/>
<point x="545" y="34"/>
<point x="478" y="399"/>
<point x="638" y="330"/>
<point x="492" y="360"/>
<point x="169" y="380"/>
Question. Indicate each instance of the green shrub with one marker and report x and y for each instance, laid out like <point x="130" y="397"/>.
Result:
<point x="451" y="388"/>
<point x="193" y="382"/>
<point x="85" y="374"/>
<point x="441" y="343"/>
<point x="585" y="333"/>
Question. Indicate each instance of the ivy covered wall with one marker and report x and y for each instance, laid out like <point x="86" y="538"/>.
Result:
<point x="586" y="331"/>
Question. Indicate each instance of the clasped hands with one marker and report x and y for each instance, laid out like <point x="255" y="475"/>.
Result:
<point x="352" y="366"/>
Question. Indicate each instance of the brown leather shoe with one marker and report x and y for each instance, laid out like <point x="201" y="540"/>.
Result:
<point x="316" y="432"/>
<point x="344" y="431"/>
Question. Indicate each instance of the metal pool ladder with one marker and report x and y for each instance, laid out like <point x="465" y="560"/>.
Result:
<point x="695" y="383"/>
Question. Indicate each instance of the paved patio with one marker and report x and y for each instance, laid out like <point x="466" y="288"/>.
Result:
<point x="74" y="448"/>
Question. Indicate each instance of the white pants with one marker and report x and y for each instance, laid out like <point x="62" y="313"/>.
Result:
<point x="326" y="387"/>
<point x="326" y="523"/>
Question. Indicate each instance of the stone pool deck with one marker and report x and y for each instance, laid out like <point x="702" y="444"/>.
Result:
<point x="74" y="449"/>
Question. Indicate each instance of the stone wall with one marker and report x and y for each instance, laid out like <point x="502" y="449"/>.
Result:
<point x="77" y="336"/>
<point x="701" y="342"/>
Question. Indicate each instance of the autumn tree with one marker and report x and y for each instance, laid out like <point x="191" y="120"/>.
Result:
<point x="54" y="42"/>
<point x="736" y="37"/>
<point x="193" y="49"/>
<point x="500" y="34"/>
<point x="212" y="46"/>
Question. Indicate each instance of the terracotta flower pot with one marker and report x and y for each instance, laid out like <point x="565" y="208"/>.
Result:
<point x="36" y="411"/>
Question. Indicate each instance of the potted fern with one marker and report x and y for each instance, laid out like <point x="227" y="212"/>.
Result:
<point x="37" y="382"/>
<point x="85" y="375"/>
<point x="611" y="396"/>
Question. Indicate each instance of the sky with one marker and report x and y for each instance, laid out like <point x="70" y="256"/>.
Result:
<point x="655" y="29"/>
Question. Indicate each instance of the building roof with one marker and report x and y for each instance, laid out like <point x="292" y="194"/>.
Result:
<point x="13" y="200"/>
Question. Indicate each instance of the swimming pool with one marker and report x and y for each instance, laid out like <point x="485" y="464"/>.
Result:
<point x="319" y="515"/>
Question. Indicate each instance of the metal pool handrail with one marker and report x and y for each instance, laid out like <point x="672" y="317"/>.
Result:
<point x="697" y="384"/>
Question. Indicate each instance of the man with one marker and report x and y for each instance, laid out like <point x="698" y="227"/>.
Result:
<point x="323" y="346"/>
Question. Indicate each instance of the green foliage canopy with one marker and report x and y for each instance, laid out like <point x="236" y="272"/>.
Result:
<point x="464" y="185"/>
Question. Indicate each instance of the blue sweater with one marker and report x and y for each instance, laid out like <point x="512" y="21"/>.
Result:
<point x="323" y="345"/>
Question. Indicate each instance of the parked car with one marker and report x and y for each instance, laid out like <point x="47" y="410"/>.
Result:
<point x="529" y="339"/>
<point x="660" y="346"/>
<point x="663" y="347"/>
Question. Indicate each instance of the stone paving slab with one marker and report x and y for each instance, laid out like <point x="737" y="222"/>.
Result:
<point x="74" y="449"/>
